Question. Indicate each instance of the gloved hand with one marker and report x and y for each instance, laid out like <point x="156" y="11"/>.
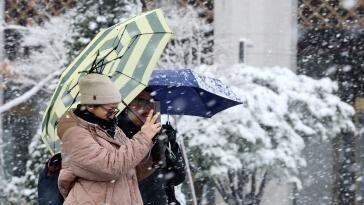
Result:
<point x="175" y="165"/>
<point x="170" y="132"/>
<point x="159" y="149"/>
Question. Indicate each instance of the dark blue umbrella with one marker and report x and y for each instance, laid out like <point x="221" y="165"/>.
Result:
<point x="184" y="92"/>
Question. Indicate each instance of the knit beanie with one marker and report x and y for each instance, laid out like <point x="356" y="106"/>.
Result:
<point x="98" y="89"/>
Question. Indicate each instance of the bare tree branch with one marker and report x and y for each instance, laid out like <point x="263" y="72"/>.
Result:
<point x="231" y="185"/>
<point x="234" y="187"/>
<point x="242" y="182"/>
<point x="253" y="178"/>
<point x="261" y="188"/>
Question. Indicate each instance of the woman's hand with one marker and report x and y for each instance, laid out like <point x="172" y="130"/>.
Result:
<point x="150" y="127"/>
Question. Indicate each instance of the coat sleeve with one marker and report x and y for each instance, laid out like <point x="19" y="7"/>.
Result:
<point x="89" y="160"/>
<point x="145" y="168"/>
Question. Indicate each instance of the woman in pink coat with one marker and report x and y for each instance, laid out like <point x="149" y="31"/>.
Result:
<point x="100" y="164"/>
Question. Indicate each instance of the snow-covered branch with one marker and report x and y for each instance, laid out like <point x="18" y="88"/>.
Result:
<point x="14" y="102"/>
<point x="47" y="51"/>
<point x="12" y="26"/>
<point x="192" y="41"/>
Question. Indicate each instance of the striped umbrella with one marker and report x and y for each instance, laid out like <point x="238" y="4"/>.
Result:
<point x="127" y="52"/>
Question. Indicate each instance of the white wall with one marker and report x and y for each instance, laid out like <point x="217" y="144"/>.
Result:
<point x="268" y="27"/>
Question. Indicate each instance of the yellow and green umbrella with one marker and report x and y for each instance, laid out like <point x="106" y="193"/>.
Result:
<point x="127" y="52"/>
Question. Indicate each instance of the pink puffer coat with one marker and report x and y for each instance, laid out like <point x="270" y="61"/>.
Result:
<point x="98" y="169"/>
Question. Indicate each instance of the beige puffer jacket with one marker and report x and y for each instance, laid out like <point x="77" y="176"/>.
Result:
<point x="98" y="169"/>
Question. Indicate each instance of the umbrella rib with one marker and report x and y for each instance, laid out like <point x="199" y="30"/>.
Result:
<point x="134" y="39"/>
<point x="97" y="65"/>
<point x="69" y="91"/>
<point x="74" y="100"/>
<point x="122" y="34"/>
<point x="102" y="61"/>
<point x="132" y="78"/>
<point x="94" y="62"/>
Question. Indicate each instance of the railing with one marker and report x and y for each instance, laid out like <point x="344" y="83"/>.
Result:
<point x="29" y="12"/>
<point x="331" y="14"/>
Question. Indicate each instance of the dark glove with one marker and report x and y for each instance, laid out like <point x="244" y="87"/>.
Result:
<point x="158" y="151"/>
<point x="170" y="132"/>
<point x="175" y="165"/>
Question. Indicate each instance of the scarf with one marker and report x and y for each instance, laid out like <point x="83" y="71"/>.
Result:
<point x="108" y="126"/>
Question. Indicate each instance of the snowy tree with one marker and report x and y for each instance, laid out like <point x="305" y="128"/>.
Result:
<point x="243" y="147"/>
<point x="39" y="67"/>
<point x="192" y="39"/>
<point x="23" y="190"/>
<point x="97" y="15"/>
<point x="44" y="59"/>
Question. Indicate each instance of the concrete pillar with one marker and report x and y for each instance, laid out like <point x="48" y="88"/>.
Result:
<point x="265" y="31"/>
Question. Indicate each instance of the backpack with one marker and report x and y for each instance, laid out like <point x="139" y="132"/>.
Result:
<point x="48" y="192"/>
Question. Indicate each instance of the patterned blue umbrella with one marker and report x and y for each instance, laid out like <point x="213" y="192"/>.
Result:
<point x="184" y="92"/>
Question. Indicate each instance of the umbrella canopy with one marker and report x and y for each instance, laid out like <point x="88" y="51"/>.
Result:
<point x="184" y="92"/>
<point x="127" y="52"/>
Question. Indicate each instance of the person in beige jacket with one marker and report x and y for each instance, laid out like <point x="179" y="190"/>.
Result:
<point x="100" y="165"/>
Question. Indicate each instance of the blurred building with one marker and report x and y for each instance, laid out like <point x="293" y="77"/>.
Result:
<point x="319" y="38"/>
<point x="315" y="37"/>
<point x="259" y="33"/>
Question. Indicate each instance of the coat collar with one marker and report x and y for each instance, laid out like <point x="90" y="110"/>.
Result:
<point x="108" y="126"/>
